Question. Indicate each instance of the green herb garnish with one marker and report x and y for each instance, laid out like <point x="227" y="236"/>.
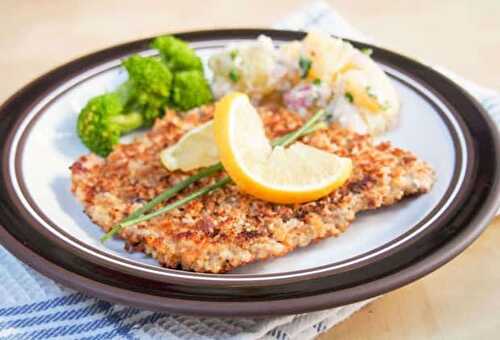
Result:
<point x="233" y="75"/>
<point x="349" y="97"/>
<point x="369" y="92"/>
<point x="317" y="81"/>
<point x="367" y="51"/>
<point x="139" y="215"/>
<point x="233" y="54"/>
<point x="305" y="66"/>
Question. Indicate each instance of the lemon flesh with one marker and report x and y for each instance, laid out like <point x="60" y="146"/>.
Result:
<point x="196" y="149"/>
<point x="296" y="174"/>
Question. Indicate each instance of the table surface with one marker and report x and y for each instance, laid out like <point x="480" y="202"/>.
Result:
<point x="460" y="300"/>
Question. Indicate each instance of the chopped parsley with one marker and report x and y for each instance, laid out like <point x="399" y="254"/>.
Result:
<point x="317" y="81"/>
<point x="370" y="93"/>
<point x="386" y="106"/>
<point x="233" y="54"/>
<point x="234" y="76"/>
<point x="367" y="51"/>
<point x="349" y="97"/>
<point x="305" y="65"/>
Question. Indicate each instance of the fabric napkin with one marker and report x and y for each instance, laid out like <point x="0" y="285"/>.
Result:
<point x="35" y="307"/>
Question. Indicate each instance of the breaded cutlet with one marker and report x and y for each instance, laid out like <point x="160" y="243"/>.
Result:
<point x="227" y="228"/>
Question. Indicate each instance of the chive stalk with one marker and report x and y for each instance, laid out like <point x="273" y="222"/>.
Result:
<point x="139" y="215"/>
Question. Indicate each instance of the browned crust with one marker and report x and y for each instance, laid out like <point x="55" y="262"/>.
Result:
<point x="227" y="228"/>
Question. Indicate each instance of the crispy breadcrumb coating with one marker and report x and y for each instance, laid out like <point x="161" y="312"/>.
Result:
<point x="227" y="228"/>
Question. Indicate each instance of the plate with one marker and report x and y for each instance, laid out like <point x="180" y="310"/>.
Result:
<point x="44" y="226"/>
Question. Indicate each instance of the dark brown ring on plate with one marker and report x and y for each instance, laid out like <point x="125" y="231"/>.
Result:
<point x="469" y="213"/>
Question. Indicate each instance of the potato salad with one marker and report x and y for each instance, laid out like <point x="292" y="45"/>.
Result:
<point x="318" y="72"/>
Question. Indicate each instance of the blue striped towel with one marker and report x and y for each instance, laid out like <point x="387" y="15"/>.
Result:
<point x="35" y="307"/>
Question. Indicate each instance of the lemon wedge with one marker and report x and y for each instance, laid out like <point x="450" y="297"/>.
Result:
<point x="196" y="149"/>
<point x="296" y="174"/>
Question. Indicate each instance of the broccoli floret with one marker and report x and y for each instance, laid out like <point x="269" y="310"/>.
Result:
<point x="143" y="97"/>
<point x="136" y="103"/>
<point x="190" y="89"/>
<point x="148" y="88"/>
<point x="176" y="54"/>
<point x="101" y="123"/>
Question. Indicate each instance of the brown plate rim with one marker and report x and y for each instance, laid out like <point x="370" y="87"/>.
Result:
<point x="340" y="295"/>
<point x="337" y="266"/>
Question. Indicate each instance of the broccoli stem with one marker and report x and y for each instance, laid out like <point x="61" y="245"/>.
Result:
<point x="128" y="122"/>
<point x="124" y="91"/>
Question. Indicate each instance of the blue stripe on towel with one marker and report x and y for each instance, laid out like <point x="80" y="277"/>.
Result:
<point x="63" y="315"/>
<point x="89" y="326"/>
<point x="124" y="330"/>
<point x="44" y="305"/>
